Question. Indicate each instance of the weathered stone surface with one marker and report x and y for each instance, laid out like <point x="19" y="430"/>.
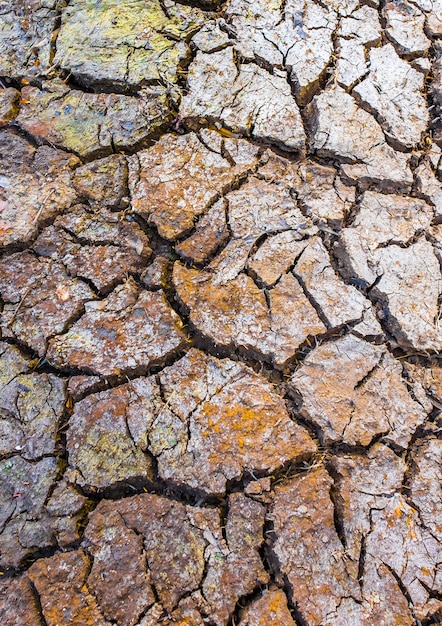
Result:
<point x="104" y="181"/>
<point x="125" y="44"/>
<point x="9" y="99"/>
<point x="176" y="180"/>
<point x="101" y="450"/>
<point x="353" y="391"/>
<point x="174" y="538"/>
<point x="156" y="274"/>
<point x="424" y="484"/>
<point x="310" y="283"/>
<point x="405" y="27"/>
<point x="237" y="313"/>
<point x="430" y="378"/>
<point x="126" y="332"/>
<point x="35" y="186"/>
<point x="343" y="130"/>
<point x="101" y="246"/>
<point x="81" y="385"/>
<point x="276" y="255"/>
<point x="433" y="19"/>
<point x="210" y="38"/>
<point x="381" y="220"/>
<point x="392" y="92"/>
<point x="271" y="608"/>
<point x="67" y="508"/>
<point x="316" y="188"/>
<point x="61" y="583"/>
<point x="379" y="245"/>
<point x="247" y="99"/>
<point x="25" y="37"/>
<point x="203" y="409"/>
<point x="219" y="420"/>
<point x="40" y="299"/>
<point x="91" y="125"/>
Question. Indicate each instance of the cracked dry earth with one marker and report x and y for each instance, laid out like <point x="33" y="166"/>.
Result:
<point x="221" y="292"/>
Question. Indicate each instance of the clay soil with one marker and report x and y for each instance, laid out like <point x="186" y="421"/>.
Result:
<point x="220" y="312"/>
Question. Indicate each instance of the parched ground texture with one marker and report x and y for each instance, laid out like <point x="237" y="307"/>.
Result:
<point x="221" y="304"/>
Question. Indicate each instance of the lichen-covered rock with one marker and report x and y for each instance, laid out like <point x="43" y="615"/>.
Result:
<point x="206" y="421"/>
<point x="125" y="44"/>
<point x="31" y="408"/>
<point x="119" y="578"/>
<point x="89" y="124"/>
<point x="176" y="180"/>
<point x="101" y="246"/>
<point x="9" y="99"/>
<point x="18" y="605"/>
<point x="248" y="100"/>
<point x="392" y="91"/>
<point x="126" y="332"/>
<point x="67" y="509"/>
<point x="40" y="299"/>
<point x="219" y="420"/>
<point x="35" y="186"/>
<point x="353" y="391"/>
<point x="344" y="131"/>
